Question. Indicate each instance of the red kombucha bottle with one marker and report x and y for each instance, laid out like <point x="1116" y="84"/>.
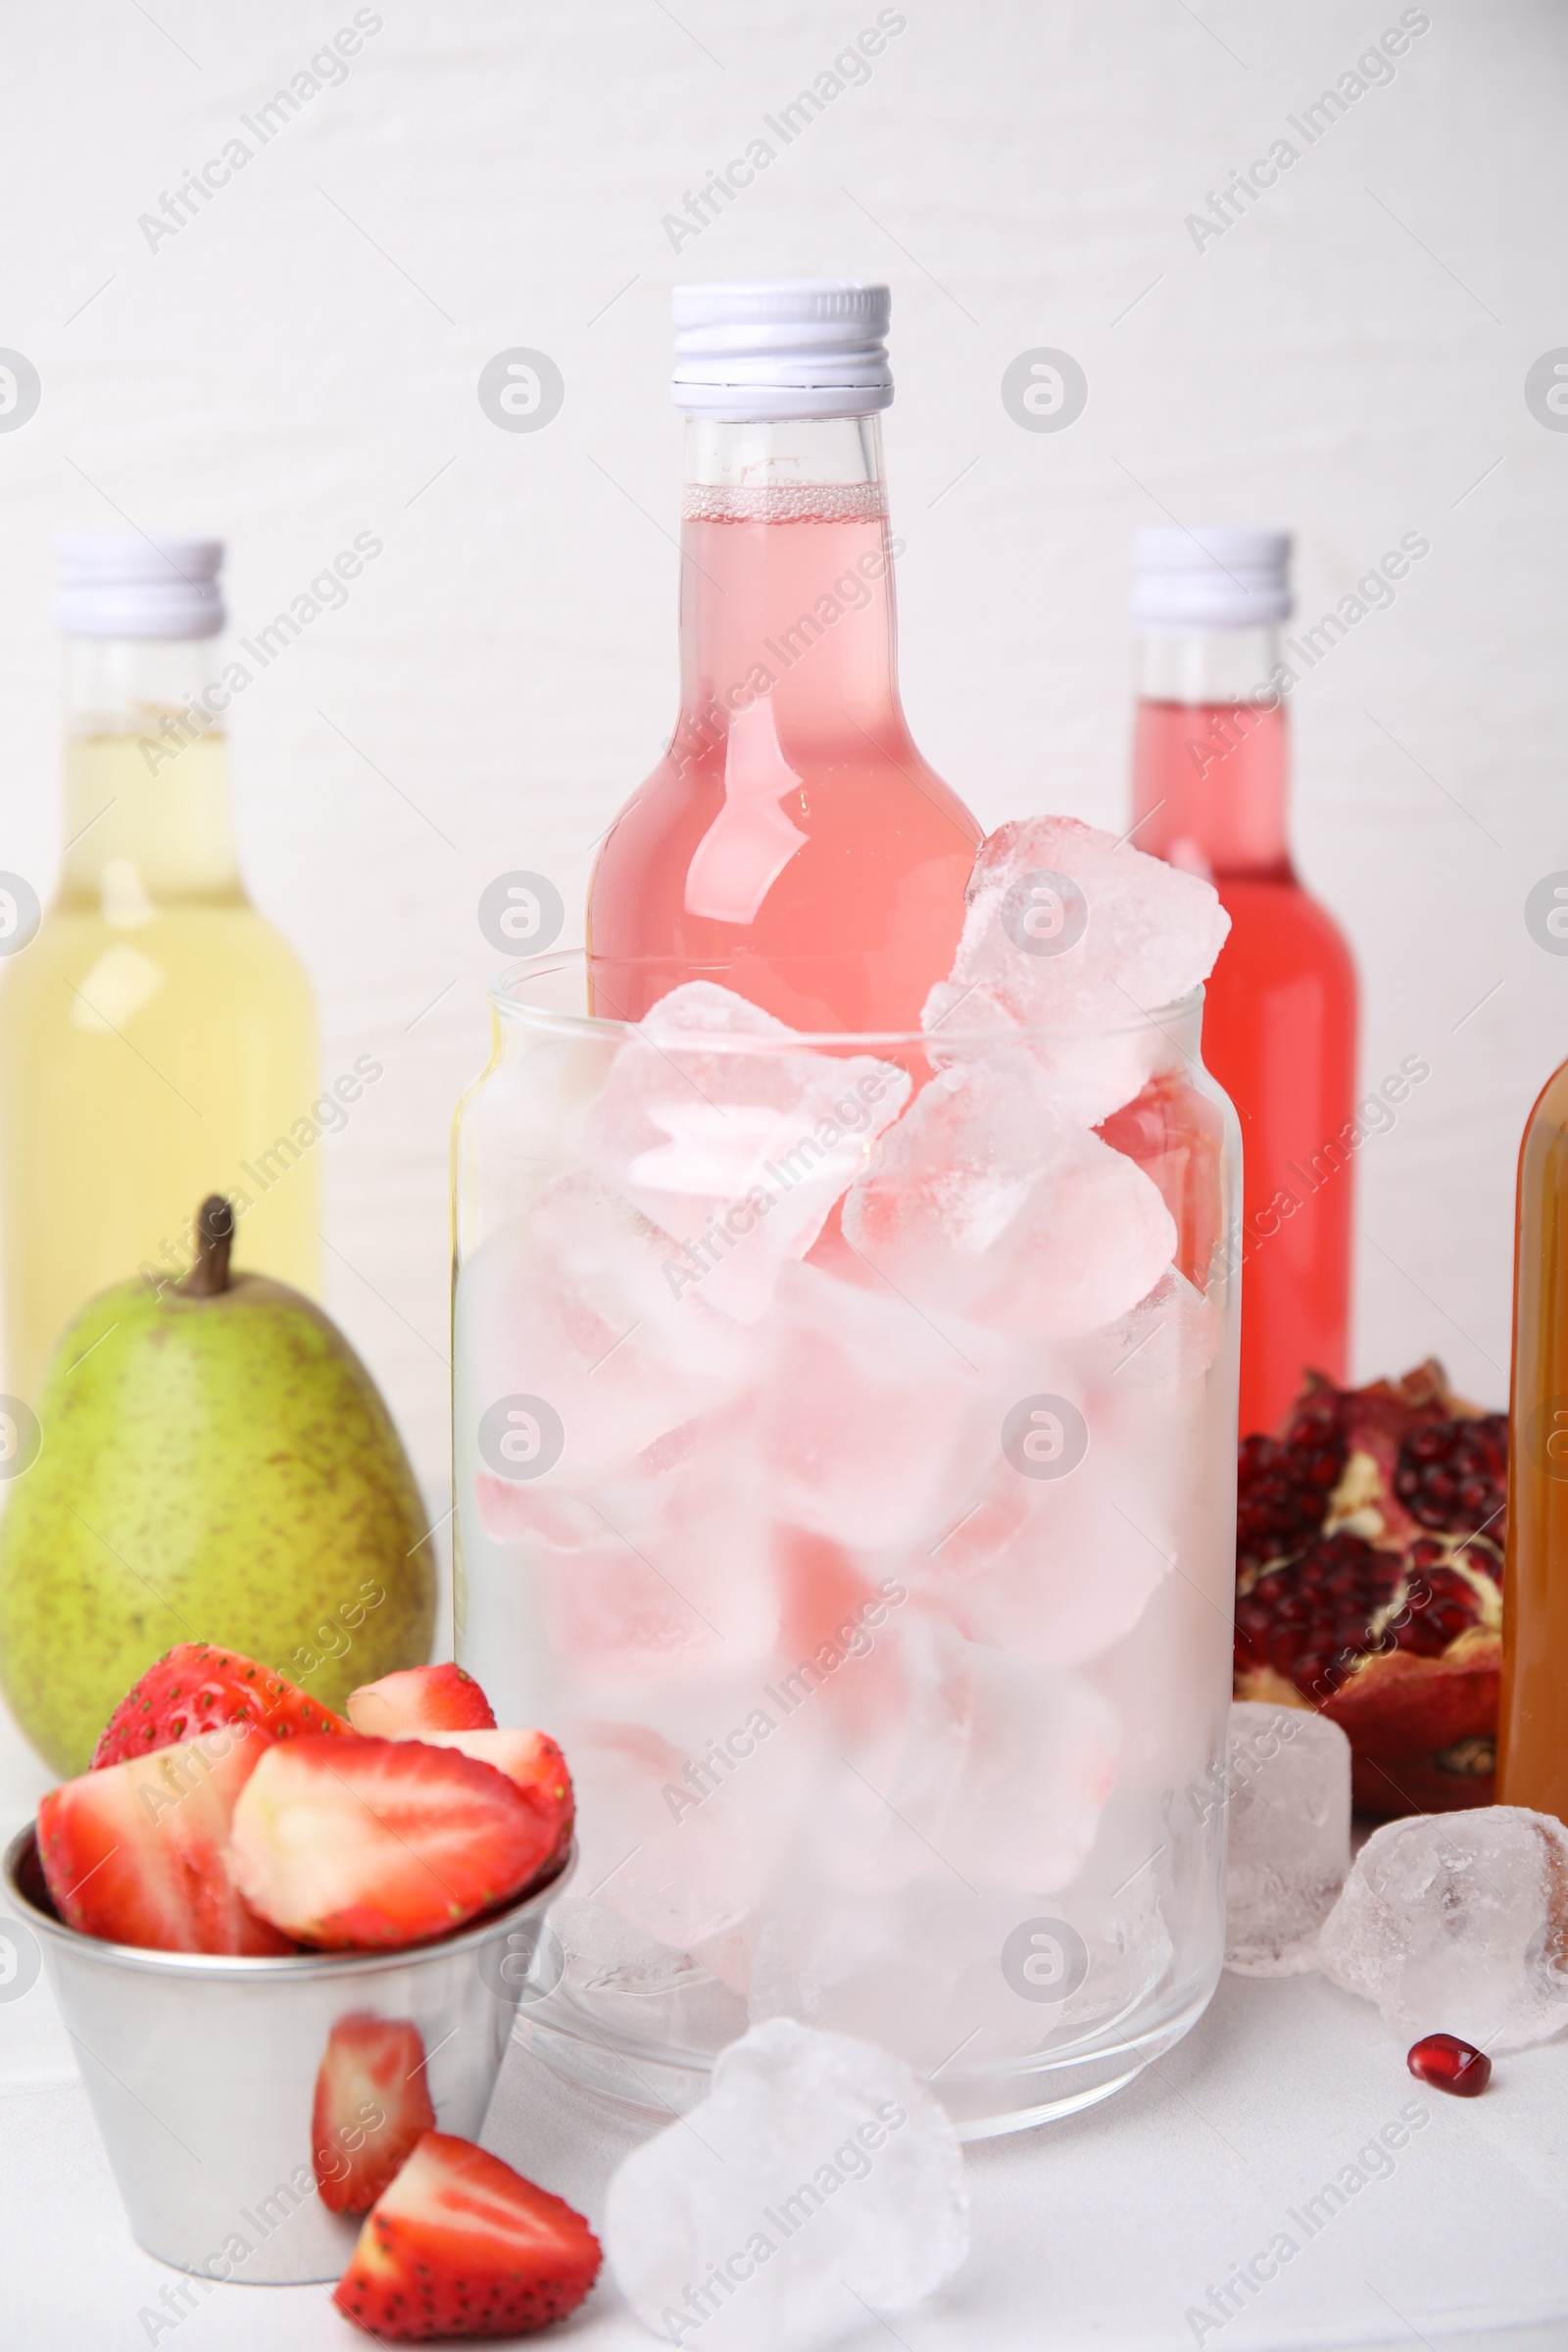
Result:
<point x="1210" y="787"/>
<point x="792" y="843"/>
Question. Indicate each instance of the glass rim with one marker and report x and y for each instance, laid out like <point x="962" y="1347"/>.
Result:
<point x="509" y="1005"/>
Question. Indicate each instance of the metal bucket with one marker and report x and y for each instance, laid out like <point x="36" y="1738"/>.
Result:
<point x="202" y="2067"/>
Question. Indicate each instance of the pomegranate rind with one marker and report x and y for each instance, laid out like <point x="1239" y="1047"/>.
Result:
<point x="1403" y="1715"/>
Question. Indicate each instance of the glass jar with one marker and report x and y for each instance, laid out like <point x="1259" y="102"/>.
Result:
<point x="845" y="1466"/>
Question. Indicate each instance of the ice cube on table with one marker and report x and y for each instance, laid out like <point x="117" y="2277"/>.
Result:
<point x="984" y="1201"/>
<point x="1077" y="938"/>
<point x="818" y="2178"/>
<point x="1288" y="1774"/>
<point x="733" y="1141"/>
<point x="1457" y="1923"/>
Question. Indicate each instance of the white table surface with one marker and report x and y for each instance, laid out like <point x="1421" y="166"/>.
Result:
<point x="1098" y="2232"/>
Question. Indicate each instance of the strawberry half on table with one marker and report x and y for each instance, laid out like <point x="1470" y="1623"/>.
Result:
<point x="138" y="1852"/>
<point x="194" y="1687"/>
<point x="367" y="1844"/>
<point x="460" y="2245"/>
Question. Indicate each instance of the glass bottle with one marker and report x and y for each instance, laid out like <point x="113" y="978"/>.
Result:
<point x="1211" y="785"/>
<point x="1533" y="1710"/>
<point x="157" y="1036"/>
<point x="792" y="843"/>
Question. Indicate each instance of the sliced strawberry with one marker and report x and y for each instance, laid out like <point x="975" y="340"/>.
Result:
<point x="136" y="1852"/>
<point x="462" y="2245"/>
<point x="195" y="1687"/>
<point x="420" y="1699"/>
<point x="532" y="1760"/>
<point x="365" y="1843"/>
<point x="373" y="2106"/>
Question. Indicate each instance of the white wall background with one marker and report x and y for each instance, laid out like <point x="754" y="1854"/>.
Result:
<point x="300" y="362"/>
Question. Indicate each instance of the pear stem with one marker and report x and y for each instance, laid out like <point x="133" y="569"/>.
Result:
<point x="214" y="1238"/>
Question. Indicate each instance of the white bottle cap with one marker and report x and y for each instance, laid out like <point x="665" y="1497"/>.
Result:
<point x="1223" y="576"/>
<point x="777" y="347"/>
<point x="113" y="585"/>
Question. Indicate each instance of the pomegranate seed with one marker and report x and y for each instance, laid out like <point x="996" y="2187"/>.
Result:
<point x="1423" y="1636"/>
<point x="1453" y="1474"/>
<point x="1449" y="2064"/>
<point x="1283" y="1488"/>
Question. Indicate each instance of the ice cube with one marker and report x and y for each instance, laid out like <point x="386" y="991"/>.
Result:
<point x="1077" y="938"/>
<point x="984" y="1201"/>
<point x="1149" y="934"/>
<point x="1168" y="1340"/>
<point x="1288" y="1772"/>
<point x="667" y="1571"/>
<point x="872" y="1416"/>
<point x="684" y="1833"/>
<point x="883" y="1964"/>
<point x="600" y="1950"/>
<point x="993" y="1773"/>
<point x="573" y="1304"/>
<point x="1092" y="1073"/>
<point x="630" y="1986"/>
<point x="1457" y="1923"/>
<point x="1058" y="1569"/>
<point x="818" y="2178"/>
<point x="939" y="1972"/>
<point x="733" y="1139"/>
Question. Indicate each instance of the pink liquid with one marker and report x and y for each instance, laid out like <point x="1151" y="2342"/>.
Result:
<point x="1209" y="783"/>
<point x="792" y="843"/>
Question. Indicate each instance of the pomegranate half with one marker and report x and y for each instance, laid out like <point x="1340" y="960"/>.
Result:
<point x="1369" y="1582"/>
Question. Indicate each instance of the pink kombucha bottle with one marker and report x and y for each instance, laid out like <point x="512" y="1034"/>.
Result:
<point x="1210" y="782"/>
<point x="792" y="843"/>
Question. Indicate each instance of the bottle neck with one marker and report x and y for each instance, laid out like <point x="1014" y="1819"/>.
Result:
<point x="1211" y="752"/>
<point x="786" y="607"/>
<point x="147" y="813"/>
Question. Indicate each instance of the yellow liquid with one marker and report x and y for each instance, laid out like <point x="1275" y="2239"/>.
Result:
<point x="157" y="1043"/>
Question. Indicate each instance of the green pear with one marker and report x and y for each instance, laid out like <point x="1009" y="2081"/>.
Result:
<point x="216" y="1466"/>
